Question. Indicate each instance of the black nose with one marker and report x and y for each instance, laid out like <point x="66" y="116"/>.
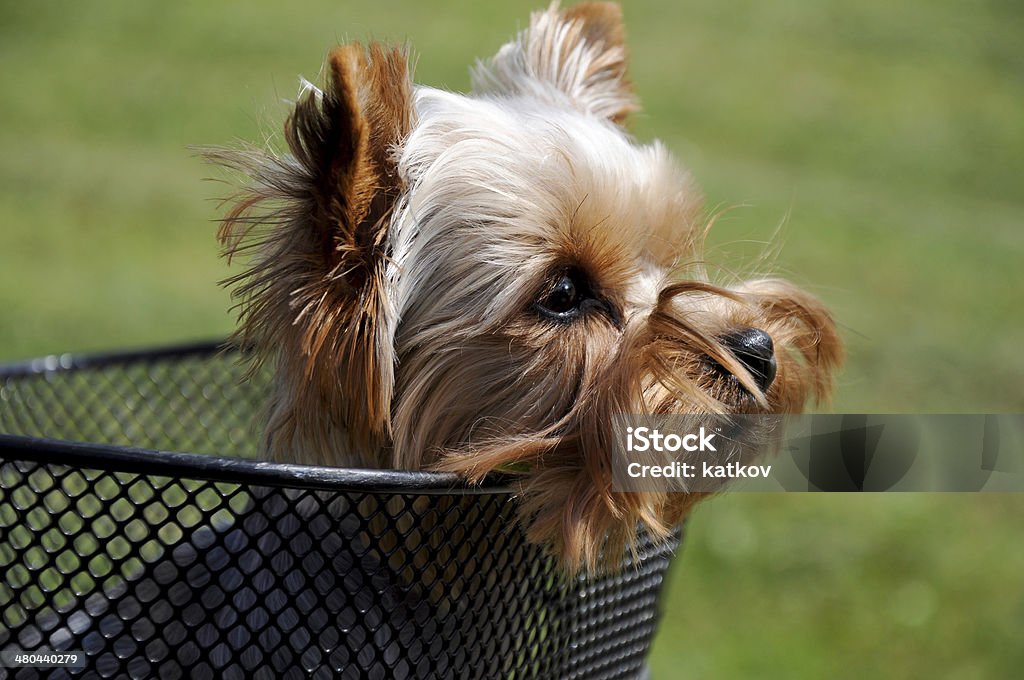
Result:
<point x="755" y="350"/>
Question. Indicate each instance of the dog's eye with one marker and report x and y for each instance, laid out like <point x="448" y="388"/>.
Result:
<point x="563" y="297"/>
<point x="570" y="297"/>
<point x="563" y="301"/>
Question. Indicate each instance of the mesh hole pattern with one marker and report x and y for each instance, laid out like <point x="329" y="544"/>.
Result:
<point x="176" y="572"/>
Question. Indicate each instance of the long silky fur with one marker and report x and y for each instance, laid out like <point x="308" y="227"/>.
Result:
<point x="398" y="250"/>
<point x="312" y="299"/>
<point x="657" y="368"/>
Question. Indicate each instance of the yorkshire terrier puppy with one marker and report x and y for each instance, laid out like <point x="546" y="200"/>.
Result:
<point x="483" y="281"/>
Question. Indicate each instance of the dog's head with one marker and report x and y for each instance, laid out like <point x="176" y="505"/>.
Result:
<point x="480" y="282"/>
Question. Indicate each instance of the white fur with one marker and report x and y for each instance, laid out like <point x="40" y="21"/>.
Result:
<point x="494" y="181"/>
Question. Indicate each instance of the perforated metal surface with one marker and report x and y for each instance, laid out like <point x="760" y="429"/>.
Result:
<point x="164" y="565"/>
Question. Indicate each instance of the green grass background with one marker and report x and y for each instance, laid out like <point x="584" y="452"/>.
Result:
<point x="887" y="140"/>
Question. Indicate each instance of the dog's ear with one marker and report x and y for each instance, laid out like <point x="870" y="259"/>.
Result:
<point x="315" y="296"/>
<point x="576" y="55"/>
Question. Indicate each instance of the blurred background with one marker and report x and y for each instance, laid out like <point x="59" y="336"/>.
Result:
<point x="877" y="146"/>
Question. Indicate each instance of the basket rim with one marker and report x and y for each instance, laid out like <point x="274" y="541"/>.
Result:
<point x="178" y="464"/>
<point x="71" y="361"/>
<point x="154" y="462"/>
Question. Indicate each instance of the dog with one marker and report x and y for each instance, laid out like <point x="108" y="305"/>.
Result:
<point x="481" y="282"/>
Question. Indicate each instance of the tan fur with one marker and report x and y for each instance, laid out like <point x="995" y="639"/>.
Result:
<point x="399" y="251"/>
<point x="579" y="52"/>
<point x="600" y="23"/>
<point x="311" y="300"/>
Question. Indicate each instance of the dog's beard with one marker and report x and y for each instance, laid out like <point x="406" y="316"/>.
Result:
<point x="560" y="390"/>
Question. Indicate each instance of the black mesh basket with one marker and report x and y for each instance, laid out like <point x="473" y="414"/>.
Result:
<point x="162" y="564"/>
